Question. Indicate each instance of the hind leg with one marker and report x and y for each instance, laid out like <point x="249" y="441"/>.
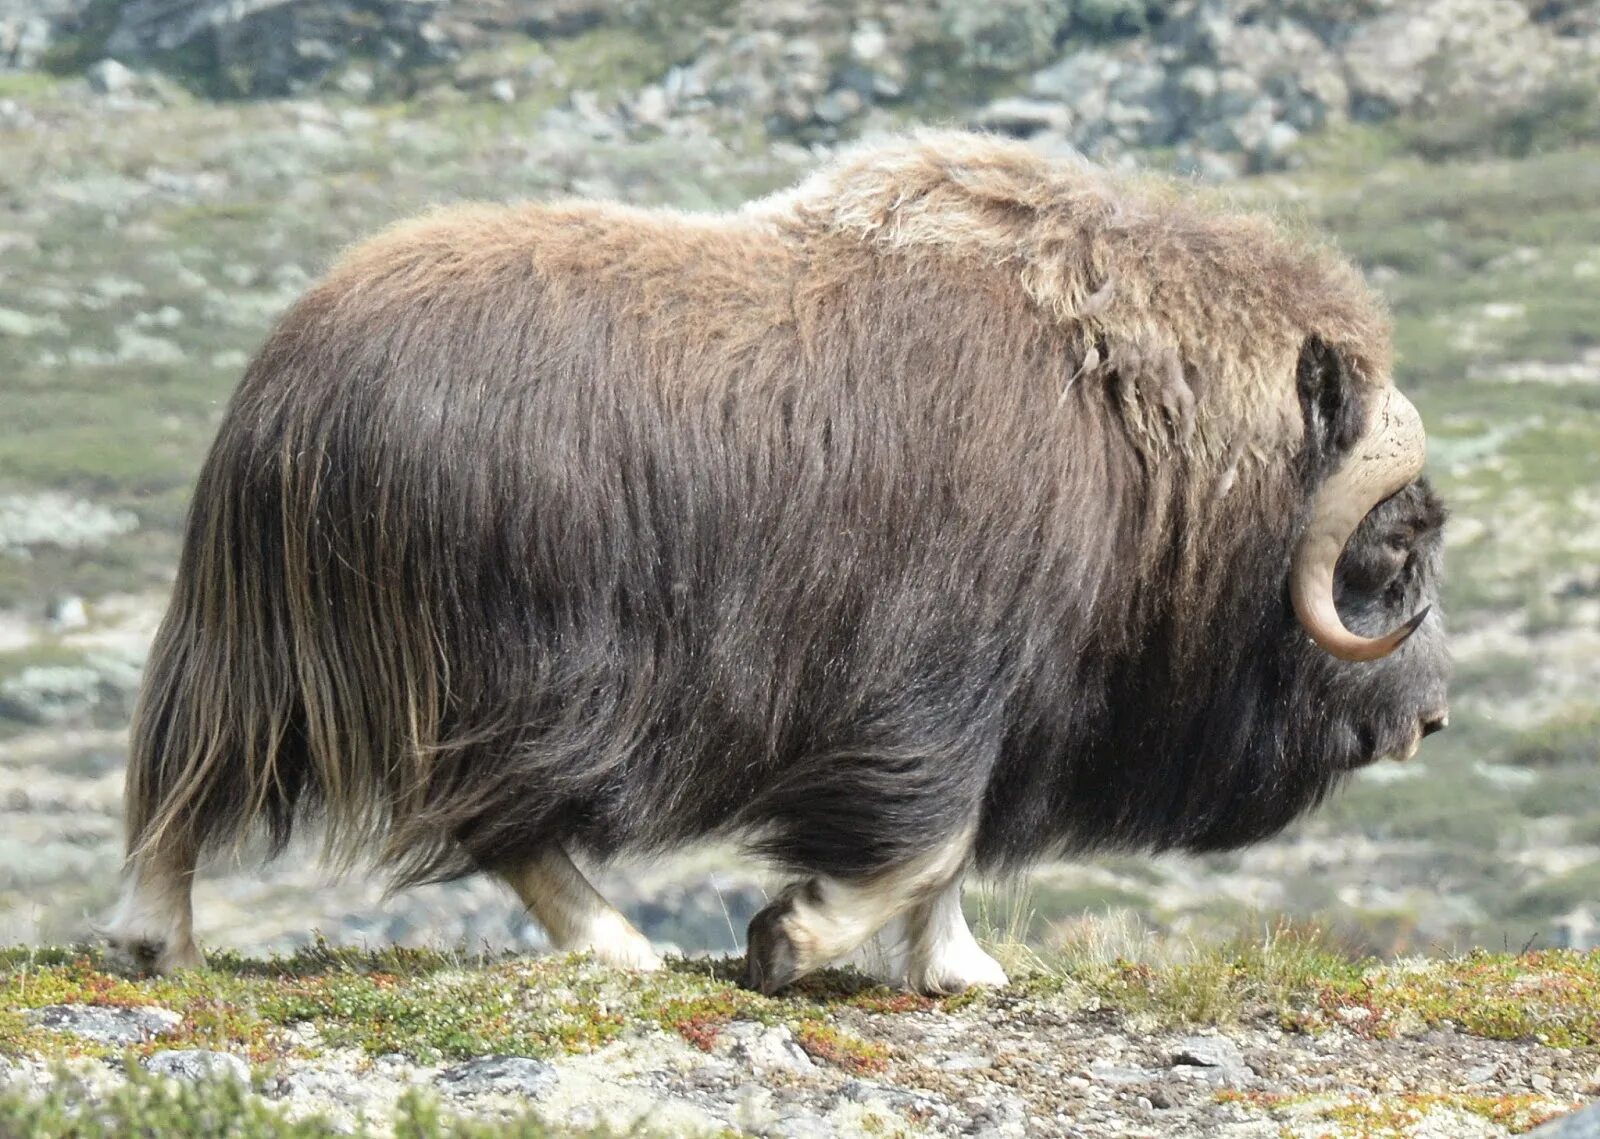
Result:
<point x="154" y="920"/>
<point x="944" y="956"/>
<point x="816" y="921"/>
<point x="575" y="915"/>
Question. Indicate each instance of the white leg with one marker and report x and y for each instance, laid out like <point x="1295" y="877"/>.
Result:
<point x="574" y="914"/>
<point x="884" y="956"/>
<point x="154" y="919"/>
<point x="945" y="957"/>
<point x="816" y="921"/>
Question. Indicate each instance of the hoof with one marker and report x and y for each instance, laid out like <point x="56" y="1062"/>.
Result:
<point x="147" y="956"/>
<point x="772" y="960"/>
<point x="957" y="971"/>
<point x="624" y="947"/>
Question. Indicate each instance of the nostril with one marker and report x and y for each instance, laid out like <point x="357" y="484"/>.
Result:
<point x="1435" y="724"/>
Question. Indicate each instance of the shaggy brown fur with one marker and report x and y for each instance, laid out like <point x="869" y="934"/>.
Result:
<point x="583" y="524"/>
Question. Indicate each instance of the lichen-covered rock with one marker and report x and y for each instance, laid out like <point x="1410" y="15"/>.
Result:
<point x="1583" y="1124"/>
<point x="501" y="1075"/>
<point x="197" y="1064"/>
<point x="56" y="519"/>
<point x="99" y="688"/>
<point x="109" y="1025"/>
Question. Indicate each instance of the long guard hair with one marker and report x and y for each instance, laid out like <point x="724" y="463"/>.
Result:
<point x="945" y="484"/>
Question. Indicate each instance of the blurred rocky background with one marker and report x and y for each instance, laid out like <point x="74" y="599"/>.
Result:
<point x="174" y="172"/>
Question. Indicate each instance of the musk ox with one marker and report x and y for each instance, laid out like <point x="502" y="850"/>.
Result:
<point x="955" y="509"/>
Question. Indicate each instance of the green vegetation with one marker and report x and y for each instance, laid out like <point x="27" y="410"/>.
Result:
<point x="438" y="1007"/>
<point x="430" y="1006"/>
<point x="1573" y="738"/>
<point x="1397" y="1116"/>
<point x="148" y="1106"/>
<point x="1304" y="981"/>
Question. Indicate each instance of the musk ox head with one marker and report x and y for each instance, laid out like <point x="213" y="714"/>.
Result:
<point x="1234" y="714"/>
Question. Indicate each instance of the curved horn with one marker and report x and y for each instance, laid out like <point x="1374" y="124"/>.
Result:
<point x="1388" y="455"/>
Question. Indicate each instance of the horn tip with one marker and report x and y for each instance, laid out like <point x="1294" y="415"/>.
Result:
<point x="1386" y="645"/>
<point x="1414" y="624"/>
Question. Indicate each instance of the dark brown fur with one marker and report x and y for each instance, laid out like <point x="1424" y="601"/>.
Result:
<point x="954" y="487"/>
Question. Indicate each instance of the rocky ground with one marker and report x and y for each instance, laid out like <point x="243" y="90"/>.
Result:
<point x="1286" y="1042"/>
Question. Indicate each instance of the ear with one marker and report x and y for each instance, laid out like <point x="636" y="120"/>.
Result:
<point x="1330" y="401"/>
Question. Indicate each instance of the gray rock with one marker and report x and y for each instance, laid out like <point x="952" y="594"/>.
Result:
<point x="357" y="82"/>
<point x="1584" y="1124"/>
<point x="870" y="1091"/>
<point x="108" y="77"/>
<point x="798" y="1125"/>
<point x="1079" y="80"/>
<point x="768" y="1049"/>
<point x="196" y="1064"/>
<point x="1280" y="138"/>
<point x="100" y="688"/>
<point x="961" y="1062"/>
<point x="499" y="1075"/>
<point x="996" y="1115"/>
<point x="1481" y="1073"/>
<point x="135" y="347"/>
<point x="839" y="106"/>
<point x="108" y="1025"/>
<point x="23" y="39"/>
<point x="868" y="42"/>
<point x="652" y="108"/>
<point x="57" y="520"/>
<point x="267" y="47"/>
<point x="1120" y="1074"/>
<point x="1004" y="35"/>
<point x="1215" y="1059"/>
<point x="22" y="325"/>
<point x="1022" y="117"/>
<point x="1207" y="1052"/>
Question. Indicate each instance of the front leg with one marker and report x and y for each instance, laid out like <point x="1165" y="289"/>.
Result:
<point x="945" y="957"/>
<point x="821" y="919"/>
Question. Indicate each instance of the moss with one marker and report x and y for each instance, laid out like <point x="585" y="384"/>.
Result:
<point x="610" y="61"/>
<point x="1302" y="980"/>
<point x="1552" y="997"/>
<point x="30" y="85"/>
<point x="1554" y="793"/>
<point x="1562" y="115"/>
<point x="1395" y="1116"/>
<point x="830" y="1045"/>
<point x="149" y="1106"/>
<point x="1456" y="809"/>
<point x="42" y="654"/>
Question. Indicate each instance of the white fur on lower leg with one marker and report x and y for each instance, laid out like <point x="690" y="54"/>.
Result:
<point x="885" y="956"/>
<point x="945" y="957"/>
<point x="154" y="922"/>
<point x="613" y="941"/>
<point x="830" y="917"/>
<point x="575" y="915"/>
